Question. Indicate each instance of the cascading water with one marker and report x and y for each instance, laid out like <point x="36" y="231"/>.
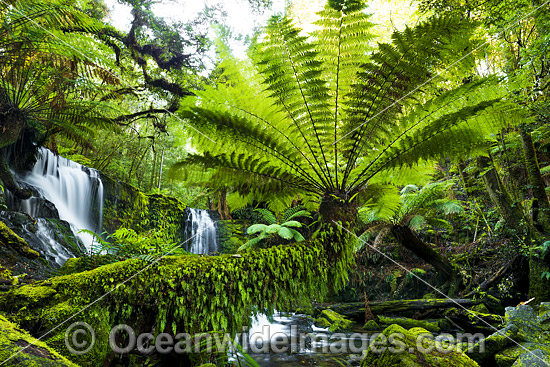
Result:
<point x="75" y="190"/>
<point x="201" y="230"/>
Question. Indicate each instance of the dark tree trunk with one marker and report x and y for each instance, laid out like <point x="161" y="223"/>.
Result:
<point x="407" y="238"/>
<point x="541" y="205"/>
<point x="510" y="211"/>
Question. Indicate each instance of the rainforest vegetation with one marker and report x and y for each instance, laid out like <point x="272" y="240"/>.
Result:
<point x="370" y="166"/>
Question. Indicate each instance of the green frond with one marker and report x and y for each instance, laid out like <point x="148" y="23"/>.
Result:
<point x="292" y="223"/>
<point x="267" y="216"/>
<point x="255" y="228"/>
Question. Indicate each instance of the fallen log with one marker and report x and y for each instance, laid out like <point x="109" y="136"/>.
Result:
<point x="356" y="310"/>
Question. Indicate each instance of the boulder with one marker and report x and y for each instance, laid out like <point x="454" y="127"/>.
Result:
<point x="410" y="323"/>
<point x="416" y="347"/>
<point x="536" y="358"/>
<point x="333" y="320"/>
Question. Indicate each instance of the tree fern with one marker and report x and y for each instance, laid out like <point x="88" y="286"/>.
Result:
<point x="324" y="117"/>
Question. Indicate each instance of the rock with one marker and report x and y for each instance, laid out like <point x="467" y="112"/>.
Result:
<point x="508" y="356"/>
<point x="333" y="320"/>
<point x="525" y="318"/>
<point x="536" y="358"/>
<point x="410" y="323"/>
<point x="416" y="347"/>
<point x="371" y="325"/>
<point x="482" y="352"/>
<point x="35" y="353"/>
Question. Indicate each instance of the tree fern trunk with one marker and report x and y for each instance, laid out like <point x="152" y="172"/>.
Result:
<point x="408" y="239"/>
<point x="541" y="205"/>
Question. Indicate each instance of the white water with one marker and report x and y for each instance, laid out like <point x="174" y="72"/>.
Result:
<point x="203" y="232"/>
<point x="75" y="190"/>
<point x="47" y="236"/>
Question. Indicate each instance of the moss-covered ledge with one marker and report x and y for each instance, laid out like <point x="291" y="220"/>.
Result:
<point x="15" y="349"/>
<point x="177" y="294"/>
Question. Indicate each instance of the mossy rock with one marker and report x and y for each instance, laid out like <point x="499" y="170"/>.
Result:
<point x="508" y="356"/>
<point x="18" y="348"/>
<point x="398" y="347"/>
<point x="484" y="352"/>
<point x="371" y="325"/>
<point x="536" y="358"/>
<point x="525" y="318"/>
<point x="8" y="238"/>
<point x="333" y="320"/>
<point x="410" y="323"/>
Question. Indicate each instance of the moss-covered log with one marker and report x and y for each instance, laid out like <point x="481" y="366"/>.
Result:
<point x="356" y="310"/>
<point x="18" y="348"/>
<point x="178" y="294"/>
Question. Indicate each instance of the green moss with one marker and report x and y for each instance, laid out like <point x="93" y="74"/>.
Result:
<point x="507" y="357"/>
<point x="8" y="238"/>
<point x="178" y="294"/>
<point x="36" y="353"/>
<point x="409" y="323"/>
<point x="126" y="206"/>
<point x="493" y="344"/>
<point x="333" y="320"/>
<point x="371" y="325"/>
<point x="397" y="346"/>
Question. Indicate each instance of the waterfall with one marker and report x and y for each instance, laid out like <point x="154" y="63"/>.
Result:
<point x="75" y="190"/>
<point x="201" y="229"/>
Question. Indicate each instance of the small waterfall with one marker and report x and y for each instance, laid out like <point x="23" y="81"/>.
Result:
<point x="46" y="235"/>
<point x="75" y="190"/>
<point x="201" y="229"/>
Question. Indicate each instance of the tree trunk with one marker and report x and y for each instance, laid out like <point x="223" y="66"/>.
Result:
<point x="223" y="209"/>
<point x="510" y="211"/>
<point x="408" y="239"/>
<point x="541" y="205"/>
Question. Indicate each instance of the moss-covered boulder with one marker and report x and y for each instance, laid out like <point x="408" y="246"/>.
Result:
<point x="416" y="347"/>
<point x="525" y="318"/>
<point x="371" y="325"/>
<point x="484" y="352"/>
<point x="18" y="348"/>
<point x="407" y="323"/>
<point x="535" y="358"/>
<point x="333" y="320"/>
<point x="508" y="356"/>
